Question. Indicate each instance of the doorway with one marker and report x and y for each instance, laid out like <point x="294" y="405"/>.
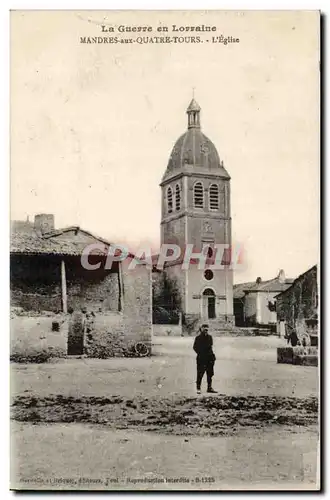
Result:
<point x="209" y="303"/>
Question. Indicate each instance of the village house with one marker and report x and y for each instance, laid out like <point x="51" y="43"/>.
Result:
<point x="297" y="306"/>
<point x="254" y="302"/>
<point x="47" y="277"/>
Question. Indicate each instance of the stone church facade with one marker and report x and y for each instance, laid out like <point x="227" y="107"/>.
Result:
<point x="196" y="211"/>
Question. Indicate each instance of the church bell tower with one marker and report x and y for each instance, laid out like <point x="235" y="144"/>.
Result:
<point x="196" y="215"/>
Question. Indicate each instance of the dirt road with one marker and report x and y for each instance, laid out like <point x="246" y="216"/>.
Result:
<point x="71" y="456"/>
<point x="128" y="423"/>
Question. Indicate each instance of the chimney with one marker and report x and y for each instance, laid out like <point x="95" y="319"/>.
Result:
<point x="44" y="223"/>
<point x="281" y="276"/>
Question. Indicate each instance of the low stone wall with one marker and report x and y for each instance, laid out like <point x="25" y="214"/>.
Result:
<point x="167" y="330"/>
<point x="307" y="356"/>
<point x="32" y="338"/>
<point x="235" y="331"/>
<point x="107" y="335"/>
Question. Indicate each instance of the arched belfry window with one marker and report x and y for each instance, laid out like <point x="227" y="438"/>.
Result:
<point x="169" y="200"/>
<point x="198" y="195"/>
<point x="177" y="197"/>
<point x="214" y="197"/>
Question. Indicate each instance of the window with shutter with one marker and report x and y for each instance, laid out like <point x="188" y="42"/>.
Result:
<point x="198" y="195"/>
<point x="169" y="200"/>
<point x="177" y="197"/>
<point x="214" y="197"/>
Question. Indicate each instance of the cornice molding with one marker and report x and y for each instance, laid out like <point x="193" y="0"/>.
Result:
<point x="200" y="175"/>
<point x="198" y="215"/>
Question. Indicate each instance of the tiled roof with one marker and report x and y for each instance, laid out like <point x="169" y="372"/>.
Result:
<point x="273" y="285"/>
<point x="311" y="269"/>
<point x="22" y="242"/>
<point x="239" y="289"/>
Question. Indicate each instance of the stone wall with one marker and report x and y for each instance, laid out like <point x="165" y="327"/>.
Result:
<point x="36" y="285"/>
<point x="112" y="333"/>
<point x="300" y="301"/>
<point x="101" y="295"/>
<point x="38" y="298"/>
<point x="167" y="330"/>
<point x="105" y="336"/>
<point x="116" y="334"/>
<point x="33" y="336"/>
<point x="137" y="301"/>
<point x="307" y="356"/>
<point x="250" y="308"/>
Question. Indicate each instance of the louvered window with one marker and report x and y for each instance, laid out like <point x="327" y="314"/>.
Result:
<point x="169" y="200"/>
<point x="177" y="197"/>
<point x="214" y="197"/>
<point x="198" y="195"/>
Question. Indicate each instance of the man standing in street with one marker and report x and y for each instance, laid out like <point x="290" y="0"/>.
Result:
<point x="203" y="346"/>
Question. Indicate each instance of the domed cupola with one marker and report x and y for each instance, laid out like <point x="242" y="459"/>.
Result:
<point x="193" y="152"/>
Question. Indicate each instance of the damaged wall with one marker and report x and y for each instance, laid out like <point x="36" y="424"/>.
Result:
<point x="36" y="285"/>
<point x="137" y="301"/>
<point x="300" y="301"/>
<point x="116" y="334"/>
<point x="112" y="332"/>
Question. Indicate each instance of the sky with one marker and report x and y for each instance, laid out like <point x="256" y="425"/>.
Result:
<point x="92" y="126"/>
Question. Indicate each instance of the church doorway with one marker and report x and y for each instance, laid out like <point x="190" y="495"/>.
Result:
<point x="209" y="303"/>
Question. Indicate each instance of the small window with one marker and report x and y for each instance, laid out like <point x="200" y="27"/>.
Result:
<point x="208" y="250"/>
<point x="177" y="197"/>
<point x="214" y="197"/>
<point x="198" y="195"/>
<point x="208" y="275"/>
<point x="169" y="200"/>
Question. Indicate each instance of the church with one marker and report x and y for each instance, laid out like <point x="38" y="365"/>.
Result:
<point x="195" y="211"/>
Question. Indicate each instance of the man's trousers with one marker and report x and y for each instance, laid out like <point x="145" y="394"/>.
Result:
<point x="202" y="367"/>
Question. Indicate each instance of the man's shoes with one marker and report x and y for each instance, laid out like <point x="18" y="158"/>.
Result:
<point x="199" y="391"/>
<point x="212" y="390"/>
